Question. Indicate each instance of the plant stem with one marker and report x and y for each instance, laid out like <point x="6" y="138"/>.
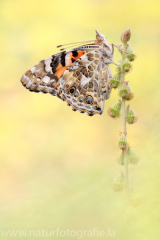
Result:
<point x="124" y="129"/>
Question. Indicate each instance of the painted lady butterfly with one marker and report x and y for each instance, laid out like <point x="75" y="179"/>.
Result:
<point x="80" y="76"/>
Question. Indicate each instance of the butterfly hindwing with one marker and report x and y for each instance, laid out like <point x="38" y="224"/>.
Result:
<point x="82" y="85"/>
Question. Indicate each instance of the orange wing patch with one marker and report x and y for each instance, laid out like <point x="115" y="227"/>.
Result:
<point x="70" y="59"/>
<point x="80" y="54"/>
<point x="60" y="70"/>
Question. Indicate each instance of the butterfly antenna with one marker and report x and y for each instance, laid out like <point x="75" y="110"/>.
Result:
<point x="74" y="43"/>
<point x="79" y="45"/>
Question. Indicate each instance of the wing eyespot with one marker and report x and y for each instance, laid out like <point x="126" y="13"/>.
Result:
<point x="72" y="90"/>
<point x="81" y="99"/>
<point x="89" y="100"/>
<point x="76" y="94"/>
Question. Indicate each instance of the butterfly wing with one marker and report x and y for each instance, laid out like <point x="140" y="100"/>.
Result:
<point x="85" y="84"/>
<point x="78" y="77"/>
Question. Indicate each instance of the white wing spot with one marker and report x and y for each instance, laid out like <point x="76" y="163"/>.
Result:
<point x="62" y="82"/>
<point x="47" y="65"/>
<point x="29" y="82"/>
<point x="53" y="80"/>
<point x="84" y="81"/>
<point x="46" y="79"/>
<point x="38" y="79"/>
<point x="32" y="69"/>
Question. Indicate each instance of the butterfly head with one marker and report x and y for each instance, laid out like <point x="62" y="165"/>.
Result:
<point x="100" y="37"/>
<point x="107" y="47"/>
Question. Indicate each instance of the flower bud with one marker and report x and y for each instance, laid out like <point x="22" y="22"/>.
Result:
<point x="122" y="141"/>
<point x="115" y="81"/>
<point x="132" y="156"/>
<point x="134" y="197"/>
<point x="125" y="36"/>
<point x="126" y="65"/>
<point x="130" y="54"/>
<point x="130" y="115"/>
<point x="130" y="96"/>
<point x="124" y="90"/>
<point x="118" y="183"/>
<point x="120" y="158"/>
<point x="114" y="111"/>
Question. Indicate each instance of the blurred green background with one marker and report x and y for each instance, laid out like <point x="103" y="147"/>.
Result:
<point x="57" y="166"/>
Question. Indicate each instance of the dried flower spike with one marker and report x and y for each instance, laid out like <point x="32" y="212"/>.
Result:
<point x="126" y="155"/>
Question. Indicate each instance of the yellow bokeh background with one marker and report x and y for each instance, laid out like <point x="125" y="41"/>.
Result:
<point x="57" y="166"/>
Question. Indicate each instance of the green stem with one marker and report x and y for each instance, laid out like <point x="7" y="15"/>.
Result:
<point x="125" y="130"/>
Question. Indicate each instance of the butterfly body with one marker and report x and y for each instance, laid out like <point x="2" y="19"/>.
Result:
<point x="79" y="76"/>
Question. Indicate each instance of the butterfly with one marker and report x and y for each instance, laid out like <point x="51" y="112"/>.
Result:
<point x="79" y="76"/>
